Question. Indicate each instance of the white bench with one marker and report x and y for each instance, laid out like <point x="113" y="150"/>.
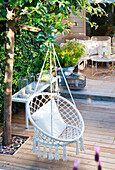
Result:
<point x="23" y="98"/>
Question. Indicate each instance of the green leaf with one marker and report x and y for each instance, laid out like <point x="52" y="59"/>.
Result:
<point x="54" y="42"/>
<point x="51" y="37"/>
<point x="30" y="1"/>
<point x="40" y="34"/>
<point x="41" y="39"/>
<point x="1" y="124"/>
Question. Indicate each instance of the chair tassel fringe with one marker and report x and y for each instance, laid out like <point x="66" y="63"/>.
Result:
<point x="64" y="153"/>
<point x="82" y="144"/>
<point x="77" y="147"/>
<point x="34" y="146"/>
<point x="39" y="154"/>
<point x="50" y="152"/>
<point x="45" y="154"/>
<point x="57" y="157"/>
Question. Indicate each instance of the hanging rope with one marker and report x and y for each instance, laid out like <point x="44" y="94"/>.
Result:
<point x="51" y="90"/>
<point x="41" y="70"/>
<point x="64" y="77"/>
<point x="55" y="57"/>
<point x="57" y="88"/>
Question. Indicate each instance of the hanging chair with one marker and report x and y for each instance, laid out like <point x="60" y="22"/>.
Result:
<point x="57" y="121"/>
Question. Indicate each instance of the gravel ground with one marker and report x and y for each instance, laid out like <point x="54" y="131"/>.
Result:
<point x="16" y="144"/>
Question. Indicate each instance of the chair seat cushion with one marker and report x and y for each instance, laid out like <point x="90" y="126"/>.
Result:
<point x="42" y="118"/>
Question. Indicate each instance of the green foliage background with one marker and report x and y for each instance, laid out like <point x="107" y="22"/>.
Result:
<point x="28" y="59"/>
<point x="2" y="69"/>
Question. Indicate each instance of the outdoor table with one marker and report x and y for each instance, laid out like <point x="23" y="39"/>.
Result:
<point x="97" y="58"/>
<point x="23" y="98"/>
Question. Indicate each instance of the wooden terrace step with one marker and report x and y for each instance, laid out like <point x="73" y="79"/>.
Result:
<point x="99" y="90"/>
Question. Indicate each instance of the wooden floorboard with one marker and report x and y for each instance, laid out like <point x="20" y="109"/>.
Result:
<point x="99" y="120"/>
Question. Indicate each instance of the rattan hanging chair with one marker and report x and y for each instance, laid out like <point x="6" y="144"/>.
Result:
<point x="57" y="121"/>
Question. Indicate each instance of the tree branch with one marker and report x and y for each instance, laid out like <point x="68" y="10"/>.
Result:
<point x="28" y="28"/>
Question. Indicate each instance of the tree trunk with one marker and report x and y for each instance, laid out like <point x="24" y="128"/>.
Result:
<point x="7" y="131"/>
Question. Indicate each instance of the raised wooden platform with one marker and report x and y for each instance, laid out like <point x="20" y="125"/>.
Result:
<point x="99" y="120"/>
<point x="95" y="90"/>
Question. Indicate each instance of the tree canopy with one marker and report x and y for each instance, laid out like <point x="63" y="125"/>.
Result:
<point x="47" y="15"/>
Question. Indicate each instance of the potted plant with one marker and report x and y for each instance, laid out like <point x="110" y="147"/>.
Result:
<point x="68" y="55"/>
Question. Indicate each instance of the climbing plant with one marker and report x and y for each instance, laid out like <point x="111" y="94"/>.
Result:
<point x="2" y="69"/>
<point x="27" y="59"/>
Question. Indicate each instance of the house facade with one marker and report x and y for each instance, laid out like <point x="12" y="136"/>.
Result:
<point x="82" y="30"/>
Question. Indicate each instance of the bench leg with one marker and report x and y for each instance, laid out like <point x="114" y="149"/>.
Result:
<point x="85" y="63"/>
<point x="78" y="68"/>
<point x="112" y="68"/>
<point x="107" y="64"/>
<point x="96" y="65"/>
<point x="92" y="68"/>
<point x="26" y="117"/>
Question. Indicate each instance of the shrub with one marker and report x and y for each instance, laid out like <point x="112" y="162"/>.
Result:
<point x="70" y="53"/>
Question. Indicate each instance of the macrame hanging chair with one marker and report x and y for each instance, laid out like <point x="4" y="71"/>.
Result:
<point x="57" y="121"/>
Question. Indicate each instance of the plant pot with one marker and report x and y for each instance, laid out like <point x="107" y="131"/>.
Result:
<point x="76" y="81"/>
<point x="67" y="71"/>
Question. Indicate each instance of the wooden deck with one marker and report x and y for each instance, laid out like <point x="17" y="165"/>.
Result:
<point x="96" y="90"/>
<point x="99" y="120"/>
